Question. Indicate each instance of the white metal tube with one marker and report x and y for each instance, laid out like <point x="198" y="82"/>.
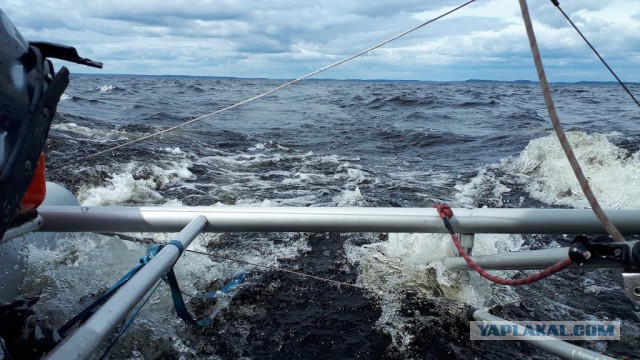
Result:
<point x="524" y="260"/>
<point x="552" y="345"/>
<point x="338" y="219"/>
<point x="87" y="339"/>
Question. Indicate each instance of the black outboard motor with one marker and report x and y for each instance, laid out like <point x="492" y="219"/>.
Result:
<point x="30" y="90"/>
<point x="29" y="94"/>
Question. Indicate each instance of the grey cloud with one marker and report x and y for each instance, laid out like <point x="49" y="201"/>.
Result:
<point x="287" y="38"/>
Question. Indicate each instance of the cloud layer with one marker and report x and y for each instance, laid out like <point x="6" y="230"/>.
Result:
<point x="289" y="38"/>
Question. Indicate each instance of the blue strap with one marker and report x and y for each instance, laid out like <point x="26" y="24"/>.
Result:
<point x="178" y="303"/>
<point x="181" y="308"/>
<point x="89" y="310"/>
<point x="151" y="252"/>
<point x="238" y="279"/>
<point x="177" y="244"/>
<point x="176" y="293"/>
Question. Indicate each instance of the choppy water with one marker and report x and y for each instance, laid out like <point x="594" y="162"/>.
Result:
<point x="336" y="143"/>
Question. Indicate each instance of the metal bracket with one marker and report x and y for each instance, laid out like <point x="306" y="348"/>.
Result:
<point x="584" y="250"/>
<point x="627" y="253"/>
<point x="467" y="240"/>
<point x="631" y="282"/>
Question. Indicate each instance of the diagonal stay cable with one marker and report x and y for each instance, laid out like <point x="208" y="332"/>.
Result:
<point x="562" y="137"/>
<point x="557" y="4"/>
<point x="302" y="274"/>
<point x="280" y="87"/>
<point x="148" y="241"/>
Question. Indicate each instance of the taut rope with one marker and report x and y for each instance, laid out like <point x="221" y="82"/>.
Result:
<point x="292" y="82"/>
<point x="555" y="121"/>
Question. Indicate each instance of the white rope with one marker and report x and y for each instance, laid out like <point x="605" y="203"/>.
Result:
<point x="562" y="137"/>
<point x="287" y="84"/>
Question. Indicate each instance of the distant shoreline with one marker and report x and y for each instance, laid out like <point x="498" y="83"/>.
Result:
<point x="474" y="81"/>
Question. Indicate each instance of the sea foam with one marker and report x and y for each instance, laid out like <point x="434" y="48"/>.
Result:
<point x="613" y="173"/>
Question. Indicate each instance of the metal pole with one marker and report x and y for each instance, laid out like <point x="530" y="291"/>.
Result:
<point x="84" y="342"/>
<point x="524" y="260"/>
<point x="551" y="345"/>
<point x="322" y="219"/>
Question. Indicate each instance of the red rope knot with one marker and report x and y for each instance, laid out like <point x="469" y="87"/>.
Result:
<point x="444" y="211"/>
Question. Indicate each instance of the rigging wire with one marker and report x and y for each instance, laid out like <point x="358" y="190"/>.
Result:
<point x="147" y="241"/>
<point x="550" y="294"/>
<point x="315" y="277"/>
<point x="562" y="137"/>
<point x="341" y="283"/>
<point x="280" y="87"/>
<point x="557" y="4"/>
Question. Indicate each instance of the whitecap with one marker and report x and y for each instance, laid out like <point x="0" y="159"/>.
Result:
<point x="137" y="183"/>
<point x="106" y="88"/>
<point x="613" y="173"/>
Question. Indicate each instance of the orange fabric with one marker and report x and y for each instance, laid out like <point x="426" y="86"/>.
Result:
<point x="37" y="189"/>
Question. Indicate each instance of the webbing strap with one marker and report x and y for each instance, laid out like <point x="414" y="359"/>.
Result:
<point x="177" y="244"/>
<point x="89" y="310"/>
<point x="178" y="303"/>
<point x="176" y="293"/>
<point x="171" y="280"/>
<point x="181" y="308"/>
<point x="238" y="279"/>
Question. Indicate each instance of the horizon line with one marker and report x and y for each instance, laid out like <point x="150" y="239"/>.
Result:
<point x="522" y="81"/>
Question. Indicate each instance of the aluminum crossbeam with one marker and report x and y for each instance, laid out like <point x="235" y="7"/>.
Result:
<point x="337" y="219"/>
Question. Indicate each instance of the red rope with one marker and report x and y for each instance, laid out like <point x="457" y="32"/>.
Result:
<point x="446" y="213"/>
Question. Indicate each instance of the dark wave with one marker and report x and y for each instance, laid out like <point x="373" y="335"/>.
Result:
<point x="417" y="138"/>
<point x="400" y="101"/>
<point x="165" y="117"/>
<point x="195" y="88"/>
<point x="137" y="128"/>
<point x="81" y="99"/>
<point x="468" y="104"/>
<point x="526" y="117"/>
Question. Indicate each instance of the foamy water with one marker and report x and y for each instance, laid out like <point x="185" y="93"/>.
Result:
<point x="613" y="173"/>
<point x="381" y="144"/>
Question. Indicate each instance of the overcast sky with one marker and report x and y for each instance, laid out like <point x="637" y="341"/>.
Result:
<point x="288" y="38"/>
